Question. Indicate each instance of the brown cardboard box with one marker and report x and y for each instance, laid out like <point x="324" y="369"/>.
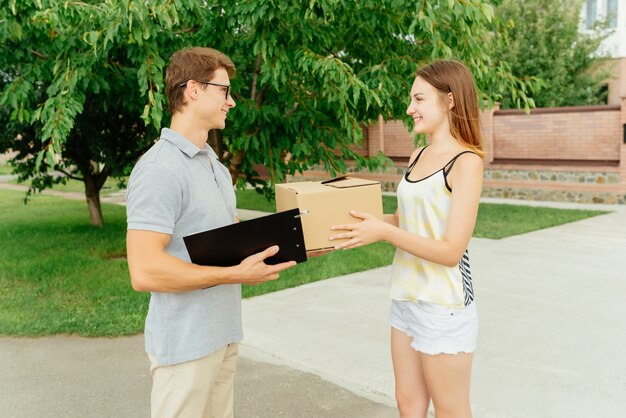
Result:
<point x="327" y="203"/>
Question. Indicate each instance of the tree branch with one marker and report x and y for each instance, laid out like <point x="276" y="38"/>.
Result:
<point x="255" y="76"/>
<point x="292" y="110"/>
<point x="259" y="97"/>
<point x="67" y="174"/>
<point x="102" y="177"/>
<point x="187" y="30"/>
<point x="38" y="54"/>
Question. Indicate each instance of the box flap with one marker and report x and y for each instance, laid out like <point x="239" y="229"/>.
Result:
<point x="335" y="179"/>
<point x="344" y="182"/>
<point x="302" y="187"/>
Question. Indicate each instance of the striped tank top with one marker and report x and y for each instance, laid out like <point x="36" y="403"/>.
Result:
<point x="423" y="207"/>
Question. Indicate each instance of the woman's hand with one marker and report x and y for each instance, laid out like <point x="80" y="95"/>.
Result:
<point x="369" y="230"/>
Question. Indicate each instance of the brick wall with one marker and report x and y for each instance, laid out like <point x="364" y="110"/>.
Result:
<point x="572" y="134"/>
<point x="397" y="139"/>
<point x="6" y="157"/>
<point x="568" y="133"/>
<point x="622" y="166"/>
<point x="575" y="154"/>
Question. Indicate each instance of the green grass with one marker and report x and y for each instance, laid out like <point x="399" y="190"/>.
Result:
<point x="5" y="169"/>
<point x="330" y="265"/>
<point x="251" y="199"/>
<point x="77" y="186"/>
<point x="59" y="275"/>
<point x="497" y="221"/>
<point x="494" y="221"/>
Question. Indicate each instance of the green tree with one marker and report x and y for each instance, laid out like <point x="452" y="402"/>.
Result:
<point x="310" y="74"/>
<point x="543" y="39"/>
<point x="105" y="140"/>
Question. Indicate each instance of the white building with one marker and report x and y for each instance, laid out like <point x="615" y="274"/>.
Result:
<point x="614" y="45"/>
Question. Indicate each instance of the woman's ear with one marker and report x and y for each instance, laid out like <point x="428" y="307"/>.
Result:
<point x="450" y="101"/>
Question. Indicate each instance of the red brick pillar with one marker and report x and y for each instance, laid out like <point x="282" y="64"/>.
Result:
<point x="488" y="131"/>
<point x="622" y="154"/>
<point x="381" y="133"/>
<point x="376" y="135"/>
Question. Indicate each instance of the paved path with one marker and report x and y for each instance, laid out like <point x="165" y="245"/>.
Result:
<point x="72" y="377"/>
<point x="552" y="334"/>
<point x="116" y="198"/>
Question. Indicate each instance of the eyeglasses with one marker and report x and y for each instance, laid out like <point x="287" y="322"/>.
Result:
<point x="212" y="84"/>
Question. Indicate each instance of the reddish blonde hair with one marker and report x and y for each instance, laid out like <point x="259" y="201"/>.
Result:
<point x="195" y="63"/>
<point x="450" y="76"/>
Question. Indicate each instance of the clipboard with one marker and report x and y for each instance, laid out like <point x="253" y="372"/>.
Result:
<point x="229" y="245"/>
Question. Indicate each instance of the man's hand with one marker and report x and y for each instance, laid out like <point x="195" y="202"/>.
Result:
<point x="152" y="269"/>
<point x="253" y="269"/>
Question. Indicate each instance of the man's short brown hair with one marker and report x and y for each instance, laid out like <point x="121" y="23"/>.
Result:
<point x="195" y="63"/>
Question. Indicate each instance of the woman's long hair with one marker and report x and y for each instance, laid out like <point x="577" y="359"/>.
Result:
<point x="450" y="76"/>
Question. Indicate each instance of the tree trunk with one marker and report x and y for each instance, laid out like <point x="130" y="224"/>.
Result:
<point x="216" y="142"/>
<point x="235" y="165"/>
<point x="92" y="192"/>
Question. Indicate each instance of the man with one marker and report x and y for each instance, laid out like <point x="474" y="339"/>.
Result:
<point x="179" y="188"/>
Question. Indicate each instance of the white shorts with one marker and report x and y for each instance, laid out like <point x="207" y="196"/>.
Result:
<point x="436" y="329"/>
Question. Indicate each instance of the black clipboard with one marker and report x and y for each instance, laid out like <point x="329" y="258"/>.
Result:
<point x="229" y="245"/>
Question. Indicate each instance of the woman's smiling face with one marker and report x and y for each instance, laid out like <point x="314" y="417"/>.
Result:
<point x="427" y="107"/>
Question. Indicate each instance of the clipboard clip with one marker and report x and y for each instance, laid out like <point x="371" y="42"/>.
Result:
<point x="302" y="213"/>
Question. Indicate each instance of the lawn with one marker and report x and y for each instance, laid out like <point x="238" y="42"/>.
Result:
<point x="59" y="275"/>
<point x="77" y="186"/>
<point x="494" y="220"/>
<point x="5" y="169"/>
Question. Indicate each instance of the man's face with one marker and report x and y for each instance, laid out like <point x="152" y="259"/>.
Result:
<point x="213" y="104"/>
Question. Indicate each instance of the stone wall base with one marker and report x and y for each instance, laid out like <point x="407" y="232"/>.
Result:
<point x="576" y="186"/>
<point x="572" y="196"/>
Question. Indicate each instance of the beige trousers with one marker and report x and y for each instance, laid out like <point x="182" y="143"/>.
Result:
<point x="194" y="389"/>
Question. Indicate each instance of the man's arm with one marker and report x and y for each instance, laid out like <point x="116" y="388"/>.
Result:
<point x="152" y="269"/>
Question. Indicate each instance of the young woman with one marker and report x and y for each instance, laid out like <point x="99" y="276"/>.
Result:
<point x="433" y="316"/>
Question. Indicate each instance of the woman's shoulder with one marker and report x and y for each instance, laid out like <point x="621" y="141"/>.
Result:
<point x="465" y="152"/>
<point x="468" y="160"/>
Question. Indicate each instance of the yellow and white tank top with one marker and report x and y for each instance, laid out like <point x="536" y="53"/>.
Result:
<point x="423" y="207"/>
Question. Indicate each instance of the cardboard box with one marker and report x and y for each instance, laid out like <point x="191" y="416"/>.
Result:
<point x="326" y="203"/>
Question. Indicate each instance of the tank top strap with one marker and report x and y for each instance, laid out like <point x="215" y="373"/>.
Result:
<point x="410" y="167"/>
<point x="448" y="167"/>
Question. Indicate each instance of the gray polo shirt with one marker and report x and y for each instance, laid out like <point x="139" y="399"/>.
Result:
<point x="178" y="189"/>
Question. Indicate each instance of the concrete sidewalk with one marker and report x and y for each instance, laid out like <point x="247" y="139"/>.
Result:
<point x="546" y="301"/>
<point x="551" y="341"/>
<point x="72" y="377"/>
<point x="551" y="308"/>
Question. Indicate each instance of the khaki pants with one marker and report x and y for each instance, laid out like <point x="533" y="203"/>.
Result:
<point x="194" y="389"/>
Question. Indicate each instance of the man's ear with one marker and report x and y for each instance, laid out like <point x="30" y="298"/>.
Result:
<point x="450" y="101"/>
<point x="191" y="89"/>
